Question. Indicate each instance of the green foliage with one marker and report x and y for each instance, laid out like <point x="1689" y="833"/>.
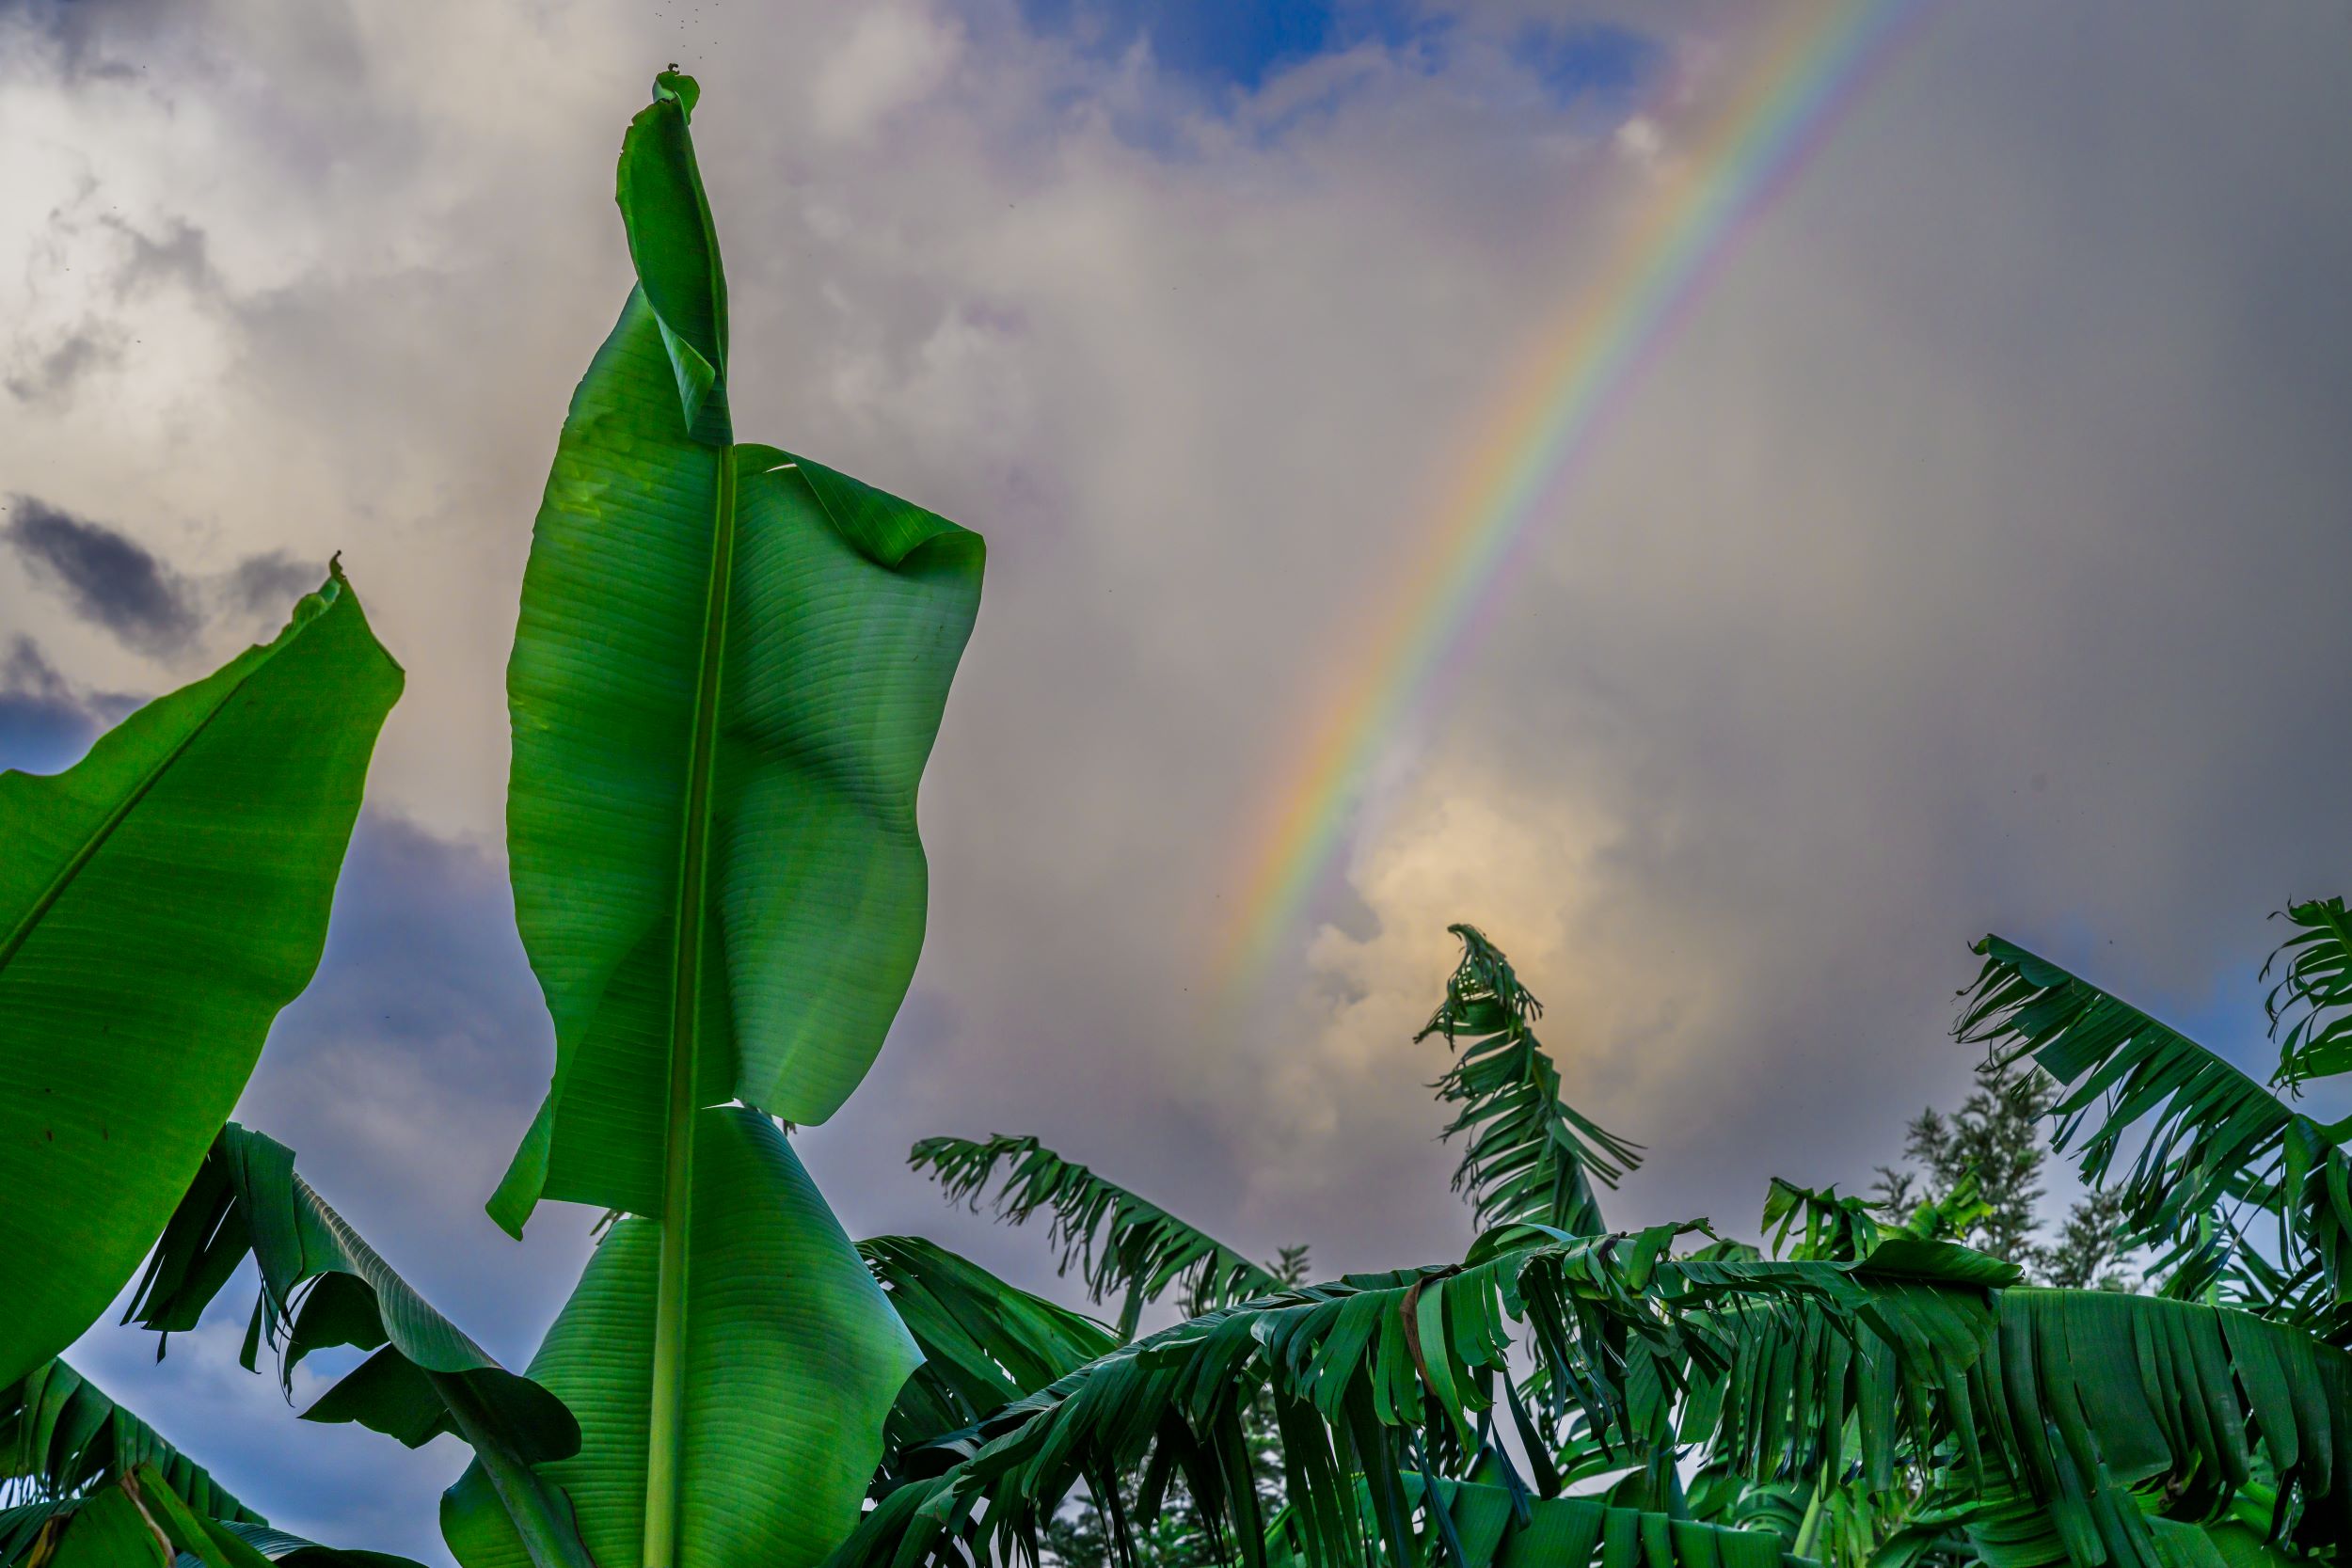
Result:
<point x="985" y="1343"/>
<point x="323" y="1285"/>
<point x="1492" y="1527"/>
<point x="141" y="1514"/>
<point x="110" y="1527"/>
<point x="792" y="1360"/>
<point x="1880" y="1395"/>
<point x="2214" y="1148"/>
<point x="1176" y="1536"/>
<point x="1122" y="1244"/>
<point x="1529" y="1157"/>
<point x="1375" y="1376"/>
<point x="160" y="901"/>
<point x="61" y="1434"/>
<point x="1980" y="1182"/>
<point x="692" y="733"/>
<point x="2310" y="1007"/>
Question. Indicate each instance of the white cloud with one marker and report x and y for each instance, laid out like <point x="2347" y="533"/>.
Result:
<point x="1640" y="139"/>
<point x="894" y="55"/>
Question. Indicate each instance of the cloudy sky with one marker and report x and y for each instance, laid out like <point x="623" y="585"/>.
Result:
<point x="1970" y="558"/>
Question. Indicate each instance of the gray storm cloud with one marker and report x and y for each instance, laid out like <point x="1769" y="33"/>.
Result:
<point x="108" y="578"/>
<point x="1968" y="560"/>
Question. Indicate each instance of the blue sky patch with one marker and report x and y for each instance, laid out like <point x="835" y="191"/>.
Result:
<point x="1223" y="42"/>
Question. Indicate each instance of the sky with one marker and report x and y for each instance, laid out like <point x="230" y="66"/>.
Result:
<point x="1969" y="558"/>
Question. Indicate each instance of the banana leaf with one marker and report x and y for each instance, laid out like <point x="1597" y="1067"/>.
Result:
<point x="1122" y="1244"/>
<point x="2211" y="1142"/>
<point x="729" y="669"/>
<point x="1527" y="1157"/>
<point x="61" y="1435"/>
<point x="793" y="1358"/>
<point x="2310" y="1007"/>
<point x="321" y="1285"/>
<point x="160" y="901"/>
<point x="985" y="1343"/>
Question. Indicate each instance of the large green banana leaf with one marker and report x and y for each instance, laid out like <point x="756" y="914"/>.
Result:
<point x="323" y="1286"/>
<point x="728" y="673"/>
<point x="729" y="669"/>
<point x="160" y="901"/>
<point x="793" y="1358"/>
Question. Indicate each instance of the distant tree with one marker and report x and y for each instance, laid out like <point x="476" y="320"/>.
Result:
<point x="1997" y="1140"/>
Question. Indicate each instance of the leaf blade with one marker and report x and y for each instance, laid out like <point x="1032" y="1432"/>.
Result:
<point x="166" y="896"/>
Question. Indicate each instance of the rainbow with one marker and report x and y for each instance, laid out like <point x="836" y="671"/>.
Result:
<point x="1818" y="58"/>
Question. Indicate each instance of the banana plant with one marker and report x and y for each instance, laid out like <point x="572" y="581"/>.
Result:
<point x="160" y="901"/>
<point x="1881" y="1396"/>
<point x="729" y="668"/>
<point x="728" y="673"/>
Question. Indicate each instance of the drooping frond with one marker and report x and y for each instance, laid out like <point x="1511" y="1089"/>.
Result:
<point x="293" y="1551"/>
<point x="2086" y="1406"/>
<point x="142" y="1517"/>
<point x="61" y="1434"/>
<point x="2100" y="1394"/>
<point x="321" y="1285"/>
<point x="2215" y="1145"/>
<point x="985" y="1343"/>
<point x="1122" y="1245"/>
<point x="1529" y="1157"/>
<point x="1998" y="1523"/>
<point x="1820" y="1362"/>
<point x="2310" y="1007"/>
<point x="1489" y="1526"/>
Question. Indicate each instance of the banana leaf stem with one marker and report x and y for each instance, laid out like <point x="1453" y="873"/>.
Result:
<point x="547" y="1532"/>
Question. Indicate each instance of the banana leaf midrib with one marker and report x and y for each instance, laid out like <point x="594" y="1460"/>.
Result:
<point x="665" y="1451"/>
